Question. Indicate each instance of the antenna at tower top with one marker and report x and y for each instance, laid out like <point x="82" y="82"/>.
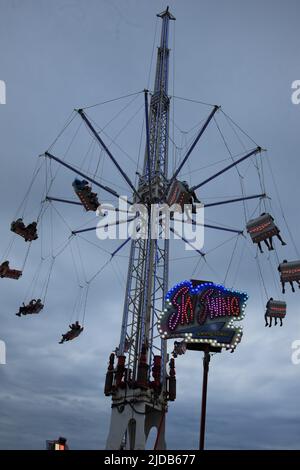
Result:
<point x="166" y="13"/>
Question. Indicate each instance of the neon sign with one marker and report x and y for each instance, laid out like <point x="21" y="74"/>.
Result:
<point x="203" y="312"/>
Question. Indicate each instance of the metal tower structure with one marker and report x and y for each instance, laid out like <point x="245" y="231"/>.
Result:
<point x="138" y="402"/>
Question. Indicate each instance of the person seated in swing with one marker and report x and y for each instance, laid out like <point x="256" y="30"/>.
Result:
<point x="275" y="309"/>
<point x="6" y="271"/>
<point x="269" y="241"/>
<point x="4" y="268"/>
<point x="81" y="185"/>
<point x="85" y="194"/>
<point x="291" y="281"/>
<point x="34" y="306"/>
<point x="267" y="311"/>
<point x="75" y="330"/>
<point x="263" y="229"/>
<point x="17" y="225"/>
<point x="193" y="196"/>
<point x="31" y="232"/>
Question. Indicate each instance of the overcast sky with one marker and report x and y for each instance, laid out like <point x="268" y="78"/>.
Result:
<point x="59" y="55"/>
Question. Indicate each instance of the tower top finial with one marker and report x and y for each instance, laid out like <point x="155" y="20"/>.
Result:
<point x="166" y="13"/>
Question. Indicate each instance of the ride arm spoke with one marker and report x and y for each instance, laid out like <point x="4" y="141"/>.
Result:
<point x="106" y="149"/>
<point x="88" y="178"/>
<point x="230" y="201"/>
<point x="248" y="155"/>
<point x="193" y="145"/>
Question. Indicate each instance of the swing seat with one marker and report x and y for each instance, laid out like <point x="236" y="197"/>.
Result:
<point x="276" y="309"/>
<point x="27" y="233"/>
<point x="18" y="228"/>
<point x="34" y="309"/>
<point x="38" y="308"/>
<point x="10" y="273"/>
<point x="178" y="194"/>
<point x="261" y="228"/>
<point x="76" y="333"/>
<point x="30" y="309"/>
<point x="290" y="271"/>
<point x="72" y="334"/>
<point x="89" y="200"/>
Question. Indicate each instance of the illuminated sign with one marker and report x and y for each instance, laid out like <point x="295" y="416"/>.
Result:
<point x="203" y="312"/>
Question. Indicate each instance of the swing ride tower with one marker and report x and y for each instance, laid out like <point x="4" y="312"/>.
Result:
<point x="140" y="378"/>
<point x="139" y="399"/>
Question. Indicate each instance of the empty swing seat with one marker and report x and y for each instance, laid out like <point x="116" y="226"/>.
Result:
<point x="276" y="309"/>
<point x="178" y="194"/>
<point x="290" y="271"/>
<point x="84" y="192"/>
<point x="261" y="228"/>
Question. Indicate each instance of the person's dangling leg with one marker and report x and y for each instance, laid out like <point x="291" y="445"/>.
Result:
<point x="259" y="247"/>
<point x="280" y="239"/>
<point x="271" y="243"/>
<point x="280" y="321"/>
<point x="292" y="286"/>
<point x="283" y="287"/>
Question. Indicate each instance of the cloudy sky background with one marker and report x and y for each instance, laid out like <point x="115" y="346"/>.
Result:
<point x="67" y="54"/>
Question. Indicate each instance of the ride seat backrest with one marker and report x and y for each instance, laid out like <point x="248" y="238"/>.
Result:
<point x="290" y="271"/>
<point x="178" y="194"/>
<point x="276" y="308"/>
<point x="261" y="228"/>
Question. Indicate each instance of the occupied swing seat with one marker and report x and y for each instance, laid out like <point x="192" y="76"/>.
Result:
<point x="178" y="194"/>
<point x="84" y="192"/>
<point x="29" y="233"/>
<point x="262" y="228"/>
<point x="289" y="271"/>
<point x="275" y="309"/>
<point x="74" y="332"/>
<point x="34" y="307"/>
<point x="5" y="271"/>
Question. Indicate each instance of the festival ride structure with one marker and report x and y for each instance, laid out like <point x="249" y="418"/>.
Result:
<point x="137" y="378"/>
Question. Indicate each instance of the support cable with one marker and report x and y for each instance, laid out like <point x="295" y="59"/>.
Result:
<point x="281" y="208"/>
<point x="231" y="259"/>
<point x="237" y="169"/>
<point x="112" y="100"/>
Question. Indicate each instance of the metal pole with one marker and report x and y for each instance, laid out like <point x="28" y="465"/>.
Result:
<point x="104" y="146"/>
<point x="253" y="152"/>
<point x="206" y="360"/>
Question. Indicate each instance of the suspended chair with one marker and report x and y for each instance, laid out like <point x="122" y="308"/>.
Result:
<point x="263" y="229"/>
<point x="74" y="332"/>
<point x="6" y="271"/>
<point x="179" y="194"/>
<point x="29" y="233"/>
<point x="289" y="272"/>
<point x="33" y="307"/>
<point x="275" y="309"/>
<point x="84" y="192"/>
